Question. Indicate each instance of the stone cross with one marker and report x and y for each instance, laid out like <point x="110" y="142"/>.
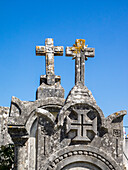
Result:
<point x="49" y="51"/>
<point x="80" y="53"/>
<point x="82" y="125"/>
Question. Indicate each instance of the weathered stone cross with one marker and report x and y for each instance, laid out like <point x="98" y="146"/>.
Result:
<point x="49" y="51"/>
<point x="82" y="125"/>
<point x="80" y="53"/>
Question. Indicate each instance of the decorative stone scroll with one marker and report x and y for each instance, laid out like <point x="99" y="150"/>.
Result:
<point x="49" y="51"/>
<point x="80" y="53"/>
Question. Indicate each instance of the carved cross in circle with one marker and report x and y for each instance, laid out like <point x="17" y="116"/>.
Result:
<point x="82" y="125"/>
<point x="49" y="51"/>
<point x="80" y="53"/>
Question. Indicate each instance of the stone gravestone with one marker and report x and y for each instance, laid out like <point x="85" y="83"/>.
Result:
<point x="52" y="133"/>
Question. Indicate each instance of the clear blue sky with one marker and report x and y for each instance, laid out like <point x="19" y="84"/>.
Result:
<point x="104" y="25"/>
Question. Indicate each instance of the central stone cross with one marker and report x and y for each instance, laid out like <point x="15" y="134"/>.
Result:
<point x="49" y="51"/>
<point x="80" y="53"/>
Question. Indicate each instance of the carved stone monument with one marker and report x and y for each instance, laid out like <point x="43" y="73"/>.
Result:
<point x="49" y="83"/>
<point x="52" y="133"/>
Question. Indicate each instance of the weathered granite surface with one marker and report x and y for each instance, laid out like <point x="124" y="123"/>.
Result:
<point x="52" y="133"/>
<point x="45" y="90"/>
<point x="125" y="155"/>
<point x="4" y="136"/>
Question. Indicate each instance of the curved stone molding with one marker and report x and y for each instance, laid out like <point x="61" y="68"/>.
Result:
<point x="45" y="113"/>
<point x="27" y="110"/>
<point x="48" y="101"/>
<point x="64" y="111"/>
<point x="84" y="154"/>
<point x="33" y="112"/>
<point x="26" y="107"/>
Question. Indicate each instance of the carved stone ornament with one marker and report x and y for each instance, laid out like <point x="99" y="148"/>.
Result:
<point x="78" y="121"/>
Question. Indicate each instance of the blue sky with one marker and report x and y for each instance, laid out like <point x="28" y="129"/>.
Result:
<point x="104" y="26"/>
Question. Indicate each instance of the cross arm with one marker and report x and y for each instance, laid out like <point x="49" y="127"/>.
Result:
<point x="58" y="50"/>
<point x="71" y="51"/>
<point x="40" y="50"/>
<point x="89" y="52"/>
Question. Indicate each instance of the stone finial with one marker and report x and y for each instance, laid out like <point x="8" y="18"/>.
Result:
<point x="49" y="51"/>
<point x="80" y="53"/>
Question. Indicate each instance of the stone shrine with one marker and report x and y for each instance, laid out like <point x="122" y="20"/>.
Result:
<point x="52" y="133"/>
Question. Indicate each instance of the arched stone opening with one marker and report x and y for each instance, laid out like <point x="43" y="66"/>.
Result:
<point x="81" y="166"/>
<point x="77" y="157"/>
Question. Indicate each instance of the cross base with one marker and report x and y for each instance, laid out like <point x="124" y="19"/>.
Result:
<point x="46" y="79"/>
<point x="45" y="90"/>
<point x="81" y="139"/>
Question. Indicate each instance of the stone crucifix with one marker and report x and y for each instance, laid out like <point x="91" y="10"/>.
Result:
<point x="80" y="53"/>
<point x="49" y="51"/>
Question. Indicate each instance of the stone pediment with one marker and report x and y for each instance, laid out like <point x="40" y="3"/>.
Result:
<point x="82" y="120"/>
<point x="80" y="97"/>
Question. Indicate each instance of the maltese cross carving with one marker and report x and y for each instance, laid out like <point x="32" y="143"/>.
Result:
<point x="82" y="125"/>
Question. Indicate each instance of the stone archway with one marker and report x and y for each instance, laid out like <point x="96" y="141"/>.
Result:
<point x="80" y="166"/>
<point x="81" y="157"/>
